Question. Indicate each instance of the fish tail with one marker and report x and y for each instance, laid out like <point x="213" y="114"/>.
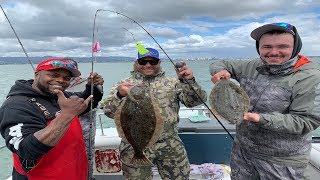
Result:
<point x="140" y="161"/>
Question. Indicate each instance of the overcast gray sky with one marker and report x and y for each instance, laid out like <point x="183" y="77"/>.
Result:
<point x="184" y="28"/>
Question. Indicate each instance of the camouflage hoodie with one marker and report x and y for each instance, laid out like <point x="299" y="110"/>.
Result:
<point x="168" y="92"/>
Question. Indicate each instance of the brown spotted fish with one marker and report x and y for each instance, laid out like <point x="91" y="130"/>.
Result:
<point x="139" y="122"/>
<point x="229" y="101"/>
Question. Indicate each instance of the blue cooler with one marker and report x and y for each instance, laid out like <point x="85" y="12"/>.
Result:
<point x="205" y="139"/>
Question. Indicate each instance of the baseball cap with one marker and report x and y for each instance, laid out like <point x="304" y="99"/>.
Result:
<point x="151" y="53"/>
<point x="59" y="63"/>
<point x="285" y="27"/>
<point x="281" y="26"/>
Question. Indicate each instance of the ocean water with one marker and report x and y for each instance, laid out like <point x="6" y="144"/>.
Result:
<point x="111" y="72"/>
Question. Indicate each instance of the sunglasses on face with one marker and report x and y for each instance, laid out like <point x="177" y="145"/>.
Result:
<point x="144" y="62"/>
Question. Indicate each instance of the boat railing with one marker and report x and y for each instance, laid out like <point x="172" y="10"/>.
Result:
<point x="5" y="160"/>
<point x="1" y="147"/>
<point x="315" y="139"/>
<point x="193" y="108"/>
<point x="100" y="122"/>
<point x="200" y="110"/>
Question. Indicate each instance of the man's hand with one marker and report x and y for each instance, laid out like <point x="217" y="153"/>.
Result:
<point x="254" y="117"/>
<point x="123" y="88"/>
<point x="221" y="74"/>
<point x="72" y="106"/>
<point x="184" y="72"/>
<point x="96" y="78"/>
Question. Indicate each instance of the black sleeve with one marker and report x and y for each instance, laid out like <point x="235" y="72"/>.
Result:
<point x="19" y="120"/>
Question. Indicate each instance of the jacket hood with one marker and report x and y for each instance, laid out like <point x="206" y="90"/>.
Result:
<point x="297" y="45"/>
<point x="24" y="88"/>
<point x="308" y="65"/>
<point x="277" y="69"/>
<point x="299" y="63"/>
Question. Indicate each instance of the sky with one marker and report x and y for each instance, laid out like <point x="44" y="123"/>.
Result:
<point x="183" y="29"/>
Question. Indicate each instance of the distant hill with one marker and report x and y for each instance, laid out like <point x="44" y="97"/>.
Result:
<point x="36" y="60"/>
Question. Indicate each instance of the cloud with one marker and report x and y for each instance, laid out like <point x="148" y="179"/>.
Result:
<point x="188" y="28"/>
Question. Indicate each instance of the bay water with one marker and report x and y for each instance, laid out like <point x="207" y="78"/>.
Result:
<point x="112" y="72"/>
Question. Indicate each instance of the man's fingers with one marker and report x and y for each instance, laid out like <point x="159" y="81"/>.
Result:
<point x="88" y="99"/>
<point x="127" y="84"/>
<point x="225" y="74"/>
<point x="60" y="94"/>
<point x="124" y="85"/>
<point x="213" y="79"/>
<point x="183" y="63"/>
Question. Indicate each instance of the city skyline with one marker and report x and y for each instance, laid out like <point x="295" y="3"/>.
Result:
<point x="184" y="29"/>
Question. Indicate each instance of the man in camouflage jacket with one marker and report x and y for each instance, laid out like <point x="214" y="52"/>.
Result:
<point x="168" y="153"/>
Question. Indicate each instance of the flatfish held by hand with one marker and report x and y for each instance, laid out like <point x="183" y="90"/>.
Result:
<point x="229" y="101"/>
<point x="138" y="122"/>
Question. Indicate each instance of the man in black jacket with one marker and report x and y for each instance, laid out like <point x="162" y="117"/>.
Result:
<point x="39" y="122"/>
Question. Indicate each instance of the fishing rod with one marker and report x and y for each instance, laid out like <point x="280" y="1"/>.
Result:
<point x="91" y="103"/>
<point x="176" y="66"/>
<point x="30" y="62"/>
<point x="85" y="79"/>
<point x="91" y="120"/>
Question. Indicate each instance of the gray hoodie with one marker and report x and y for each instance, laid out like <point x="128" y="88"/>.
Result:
<point x="288" y="102"/>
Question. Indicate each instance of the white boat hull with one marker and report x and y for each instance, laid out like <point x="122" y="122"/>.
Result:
<point x="109" y="140"/>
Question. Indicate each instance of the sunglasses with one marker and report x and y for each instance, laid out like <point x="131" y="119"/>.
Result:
<point x="58" y="63"/>
<point x="144" y="62"/>
<point x="285" y="25"/>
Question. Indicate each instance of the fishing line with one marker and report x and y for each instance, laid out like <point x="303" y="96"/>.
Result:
<point x="30" y="62"/>
<point x="99" y="87"/>
<point x="91" y="107"/>
<point x="130" y="33"/>
<point x="176" y="66"/>
<point x="85" y="79"/>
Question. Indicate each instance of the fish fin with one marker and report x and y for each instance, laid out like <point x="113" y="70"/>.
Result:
<point x="213" y="100"/>
<point x="117" y="120"/>
<point x="232" y="97"/>
<point x="159" y="122"/>
<point x="144" y="161"/>
<point x="212" y="104"/>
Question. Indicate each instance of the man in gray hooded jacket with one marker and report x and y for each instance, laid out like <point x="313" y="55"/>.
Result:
<point x="274" y="139"/>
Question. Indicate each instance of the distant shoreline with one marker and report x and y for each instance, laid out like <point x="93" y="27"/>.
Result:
<point x="36" y="60"/>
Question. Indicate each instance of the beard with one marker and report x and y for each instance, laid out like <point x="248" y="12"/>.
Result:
<point x="45" y="90"/>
